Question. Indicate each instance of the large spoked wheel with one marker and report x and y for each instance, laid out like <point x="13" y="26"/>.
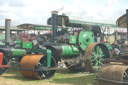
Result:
<point x="3" y="70"/>
<point x="35" y="62"/>
<point x="97" y="58"/>
<point x="46" y="74"/>
<point x="95" y="55"/>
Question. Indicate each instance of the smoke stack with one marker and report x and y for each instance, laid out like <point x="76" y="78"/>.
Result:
<point x="7" y="31"/>
<point x="127" y="22"/>
<point x="54" y="26"/>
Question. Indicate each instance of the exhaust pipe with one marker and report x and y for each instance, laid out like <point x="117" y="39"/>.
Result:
<point x="7" y="31"/>
<point x="54" y="26"/>
<point x="127" y="22"/>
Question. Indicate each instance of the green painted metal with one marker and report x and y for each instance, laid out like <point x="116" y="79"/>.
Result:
<point x="2" y="37"/>
<point x="27" y="44"/>
<point x="73" y="39"/>
<point x="18" y="52"/>
<point x="44" y="27"/>
<point x="85" y="38"/>
<point x="18" y="42"/>
<point x="49" y="54"/>
<point x="41" y="27"/>
<point x="69" y="50"/>
<point x="108" y="45"/>
<point x="97" y="58"/>
<point x="92" y="23"/>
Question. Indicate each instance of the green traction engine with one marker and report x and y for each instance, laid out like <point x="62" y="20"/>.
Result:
<point x="77" y="52"/>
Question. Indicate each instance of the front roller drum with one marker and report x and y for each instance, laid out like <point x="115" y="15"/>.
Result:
<point x="113" y="75"/>
<point x="33" y="61"/>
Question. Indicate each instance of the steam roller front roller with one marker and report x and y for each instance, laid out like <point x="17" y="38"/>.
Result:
<point x="113" y="75"/>
<point x="95" y="55"/>
<point x="29" y="67"/>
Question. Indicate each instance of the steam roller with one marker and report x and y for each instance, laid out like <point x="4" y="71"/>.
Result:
<point x="113" y="75"/>
<point x="75" y="51"/>
<point x="30" y="66"/>
<point x="115" y="71"/>
<point x="78" y="52"/>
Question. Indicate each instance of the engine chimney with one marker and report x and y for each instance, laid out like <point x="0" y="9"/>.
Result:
<point x="7" y="31"/>
<point x="54" y="26"/>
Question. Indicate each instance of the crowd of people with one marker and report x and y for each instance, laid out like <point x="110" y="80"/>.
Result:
<point x="117" y="49"/>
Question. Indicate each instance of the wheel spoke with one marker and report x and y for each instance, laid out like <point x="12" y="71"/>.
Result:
<point x="96" y="66"/>
<point x="93" y="58"/>
<point x="125" y="73"/>
<point x="40" y="64"/>
<point x="97" y="58"/>
<point x="125" y="76"/>
<point x="46" y="74"/>
<point x="99" y="65"/>
<point x="95" y="53"/>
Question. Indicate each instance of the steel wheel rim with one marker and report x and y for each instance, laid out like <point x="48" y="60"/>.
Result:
<point x="125" y="76"/>
<point x="46" y="74"/>
<point x="89" y="52"/>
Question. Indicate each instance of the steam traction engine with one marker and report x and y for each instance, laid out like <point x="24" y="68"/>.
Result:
<point x="77" y="52"/>
<point x="115" y="71"/>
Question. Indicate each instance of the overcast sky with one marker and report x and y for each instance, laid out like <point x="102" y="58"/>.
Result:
<point x="37" y="11"/>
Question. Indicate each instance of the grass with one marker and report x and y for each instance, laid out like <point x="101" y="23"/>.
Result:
<point x="62" y="77"/>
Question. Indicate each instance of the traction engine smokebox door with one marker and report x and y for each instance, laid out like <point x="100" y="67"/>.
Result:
<point x="27" y="44"/>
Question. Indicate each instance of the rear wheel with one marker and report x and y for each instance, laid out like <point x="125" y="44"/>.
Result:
<point x="95" y="55"/>
<point x="97" y="58"/>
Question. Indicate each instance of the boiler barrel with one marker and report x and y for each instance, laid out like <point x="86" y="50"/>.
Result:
<point x="69" y="50"/>
<point x="11" y="52"/>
